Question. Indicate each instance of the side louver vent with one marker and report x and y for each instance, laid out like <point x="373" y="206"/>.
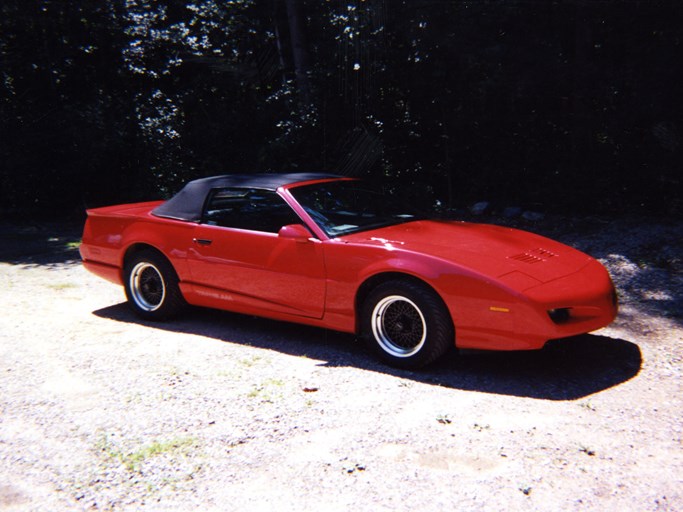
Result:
<point x="533" y="256"/>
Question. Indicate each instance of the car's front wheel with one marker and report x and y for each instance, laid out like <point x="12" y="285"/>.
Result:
<point x="406" y="324"/>
<point x="152" y="286"/>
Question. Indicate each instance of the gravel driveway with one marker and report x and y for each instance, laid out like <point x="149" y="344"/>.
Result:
<point x="216" y="411"/>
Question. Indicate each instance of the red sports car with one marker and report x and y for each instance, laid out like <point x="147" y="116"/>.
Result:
<point x="332" y="252"/>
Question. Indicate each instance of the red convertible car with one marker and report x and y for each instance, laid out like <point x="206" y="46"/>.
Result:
<point x="332" y="252"/>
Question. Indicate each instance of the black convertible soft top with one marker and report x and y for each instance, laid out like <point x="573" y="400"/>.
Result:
<point x="189" y="202"/>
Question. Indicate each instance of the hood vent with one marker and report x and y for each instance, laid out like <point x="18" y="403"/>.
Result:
<point x="533" y="256"/>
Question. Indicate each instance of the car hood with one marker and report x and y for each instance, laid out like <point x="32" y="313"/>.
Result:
<point x="523" y="259"/>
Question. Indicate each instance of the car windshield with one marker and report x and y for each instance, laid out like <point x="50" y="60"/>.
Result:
<point x="344" y="207"/>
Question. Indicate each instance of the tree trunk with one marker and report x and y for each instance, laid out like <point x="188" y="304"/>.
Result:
<point x="300" y="53"/>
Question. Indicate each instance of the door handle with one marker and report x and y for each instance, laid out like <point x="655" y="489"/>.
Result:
<point x="202" y="241"/>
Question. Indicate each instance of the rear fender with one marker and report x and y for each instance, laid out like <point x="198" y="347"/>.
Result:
<point x="171" y="238"/>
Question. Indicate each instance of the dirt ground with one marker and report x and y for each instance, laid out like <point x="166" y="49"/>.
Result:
<point x="216" y="411"/>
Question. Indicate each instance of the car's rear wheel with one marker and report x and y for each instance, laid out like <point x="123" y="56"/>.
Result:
<point x="406" y="324"/>
<point x="152" y="286"/>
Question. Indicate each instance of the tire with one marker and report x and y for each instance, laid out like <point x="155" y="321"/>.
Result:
<point x="406" y="324"/>
<point x="152" y="286"/>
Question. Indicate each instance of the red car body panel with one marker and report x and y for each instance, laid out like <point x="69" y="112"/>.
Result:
<point x="498" y="284"/>
<point x="259" y="270"/>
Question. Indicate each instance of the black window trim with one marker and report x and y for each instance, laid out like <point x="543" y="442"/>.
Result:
<point x="212" y="192"/>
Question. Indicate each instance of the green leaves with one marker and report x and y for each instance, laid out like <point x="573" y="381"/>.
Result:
<point x="528" y="103"/>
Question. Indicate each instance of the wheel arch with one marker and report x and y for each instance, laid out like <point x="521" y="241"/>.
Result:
<point x="376" y="280"/>
<point x="137" y="248"/>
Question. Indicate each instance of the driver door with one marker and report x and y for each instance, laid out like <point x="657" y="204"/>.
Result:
<point x="238" y="260"/>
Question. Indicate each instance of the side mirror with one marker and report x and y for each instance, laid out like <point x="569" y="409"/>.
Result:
<point x="295" y="232"/>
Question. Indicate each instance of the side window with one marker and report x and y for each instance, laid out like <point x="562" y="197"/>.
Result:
<point x="247" y="208"/>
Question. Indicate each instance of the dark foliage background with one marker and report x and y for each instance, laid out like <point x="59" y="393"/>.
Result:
<point x="565" y="105"/>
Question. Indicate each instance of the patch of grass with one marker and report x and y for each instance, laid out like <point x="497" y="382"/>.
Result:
<point x="132" y="460"/>
<point x="62" y="286"/>
<point x="250" y="361"/>
<point x="230" y="374"/>
<point x="266" y="392"/>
